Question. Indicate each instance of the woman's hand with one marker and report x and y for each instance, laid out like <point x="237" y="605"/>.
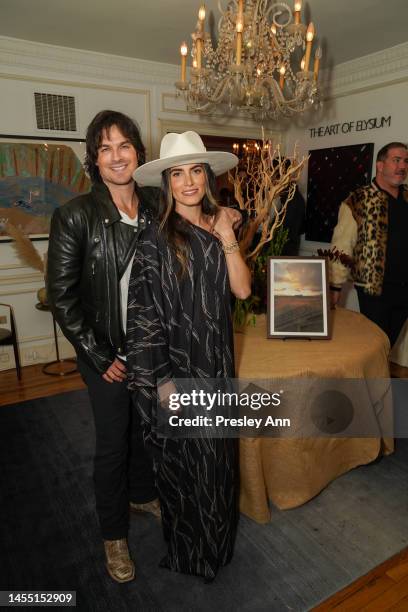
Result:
<point x="223" y="223"/>
<point x="238" y="272"/>
<point x="235" y="216"/>
<point x="165" y="390"/>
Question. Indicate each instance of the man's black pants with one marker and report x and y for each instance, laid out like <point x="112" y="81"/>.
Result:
<point x="388" y="310"/>
<point x="122" y="468"/>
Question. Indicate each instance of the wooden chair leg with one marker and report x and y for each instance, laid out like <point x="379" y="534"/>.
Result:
<point x="17" y="358"/>
<point x="13" y="340"/>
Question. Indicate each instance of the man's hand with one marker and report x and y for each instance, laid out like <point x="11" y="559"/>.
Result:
<point x="116" y="372"/>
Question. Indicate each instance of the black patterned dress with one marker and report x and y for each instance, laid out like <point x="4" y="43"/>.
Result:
<point x="181" y="328"/>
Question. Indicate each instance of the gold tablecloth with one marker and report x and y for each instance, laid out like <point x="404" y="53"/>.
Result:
<point x="289" y="472"/>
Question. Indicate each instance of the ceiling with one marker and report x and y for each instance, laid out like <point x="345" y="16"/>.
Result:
<point x="153" y="30"/>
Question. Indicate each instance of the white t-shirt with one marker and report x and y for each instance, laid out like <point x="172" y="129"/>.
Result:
<point x="124" y="281"/>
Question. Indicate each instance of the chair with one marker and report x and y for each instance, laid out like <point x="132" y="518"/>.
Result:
<point x="8" y="337"/>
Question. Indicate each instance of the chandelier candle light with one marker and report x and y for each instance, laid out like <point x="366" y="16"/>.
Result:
<point x="256" y="68"/>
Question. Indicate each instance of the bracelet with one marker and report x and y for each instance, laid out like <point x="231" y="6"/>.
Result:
<point x="231" y="247"/>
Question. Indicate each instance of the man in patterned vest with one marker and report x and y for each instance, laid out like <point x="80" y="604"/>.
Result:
<point x="372" y="229"/>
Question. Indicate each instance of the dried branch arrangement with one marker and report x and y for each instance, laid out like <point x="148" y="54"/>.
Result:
<point x="264" y="184"/>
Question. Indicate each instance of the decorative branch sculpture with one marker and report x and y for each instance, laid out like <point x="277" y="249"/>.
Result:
<point x="264" y="185"/>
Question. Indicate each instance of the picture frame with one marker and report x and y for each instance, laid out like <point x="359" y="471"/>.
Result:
<point x="298" y="298"/>
<point x="36" y="176"/>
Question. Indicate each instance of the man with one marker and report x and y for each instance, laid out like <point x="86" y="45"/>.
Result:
<point x="92" y="243"/>
<point x="372" y="228"/>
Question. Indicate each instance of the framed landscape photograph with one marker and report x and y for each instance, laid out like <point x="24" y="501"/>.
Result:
<point x="37" y="176"/>
<point x="298" y="297"/>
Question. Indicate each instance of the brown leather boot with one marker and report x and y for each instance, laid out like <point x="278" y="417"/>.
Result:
<point x="118" y="562"/>
<point x="153" y="507"/>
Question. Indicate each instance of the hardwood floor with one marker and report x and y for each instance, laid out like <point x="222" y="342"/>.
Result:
<point x="385" y="588"/>
<point x="33" y="384"/>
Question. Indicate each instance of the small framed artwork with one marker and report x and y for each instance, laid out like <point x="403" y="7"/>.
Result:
<point x="298" y="305"/>
<point x="37" y="176"/>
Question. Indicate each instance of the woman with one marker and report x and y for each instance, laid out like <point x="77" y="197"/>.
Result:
<point x="179" y="327"/>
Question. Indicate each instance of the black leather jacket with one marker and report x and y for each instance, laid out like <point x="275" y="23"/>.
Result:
<point x="89" y="249"/>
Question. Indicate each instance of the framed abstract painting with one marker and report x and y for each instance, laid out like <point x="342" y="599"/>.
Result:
<point x="37" y="176"/>
<point x="332" y="174"/>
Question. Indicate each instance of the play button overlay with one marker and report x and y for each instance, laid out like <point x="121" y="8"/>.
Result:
<point x="331" y="412"/>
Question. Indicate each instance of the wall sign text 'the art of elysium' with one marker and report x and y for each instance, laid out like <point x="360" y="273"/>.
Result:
<point x="361" y="125"/>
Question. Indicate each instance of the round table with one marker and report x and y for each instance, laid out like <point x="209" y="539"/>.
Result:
<point x="291" y="471"/>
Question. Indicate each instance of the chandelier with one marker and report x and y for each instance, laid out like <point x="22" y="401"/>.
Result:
<point x="261" y="66"/>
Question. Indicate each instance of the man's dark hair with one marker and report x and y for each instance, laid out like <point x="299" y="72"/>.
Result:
<point x="102" y="122"/>
<point x="383" y="152"/>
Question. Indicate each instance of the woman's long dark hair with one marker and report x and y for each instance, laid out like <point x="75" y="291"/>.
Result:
<point x="173" y="226"/>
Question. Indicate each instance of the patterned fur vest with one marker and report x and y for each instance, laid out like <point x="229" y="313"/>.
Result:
<point x="362" y="232"/>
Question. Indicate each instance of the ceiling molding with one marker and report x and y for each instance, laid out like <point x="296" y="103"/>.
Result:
<point x="24" y="55"/>
<point x="22" y="58"/>
<point x="371" y="71"/>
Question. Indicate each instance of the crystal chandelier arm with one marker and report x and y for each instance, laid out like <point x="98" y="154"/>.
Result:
<point x="220" y="89"/>
<point x="215" y="98"/>
<point x="269" y="87"/>
<point x="225" y="13"/>
<point x="194" y="94"/>
<point x="222" y="11"/>
<point x="277" y="12"/>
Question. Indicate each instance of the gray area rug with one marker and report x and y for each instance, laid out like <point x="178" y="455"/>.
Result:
<point x="50" y="539"/>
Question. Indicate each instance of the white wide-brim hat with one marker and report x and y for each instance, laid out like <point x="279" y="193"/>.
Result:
<point x="181" y="149"/>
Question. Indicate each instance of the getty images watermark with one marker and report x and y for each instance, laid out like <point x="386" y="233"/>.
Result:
<point x="191" y="408"/>
<point x="282" y="408"/>
<point x="221" y="400"/>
